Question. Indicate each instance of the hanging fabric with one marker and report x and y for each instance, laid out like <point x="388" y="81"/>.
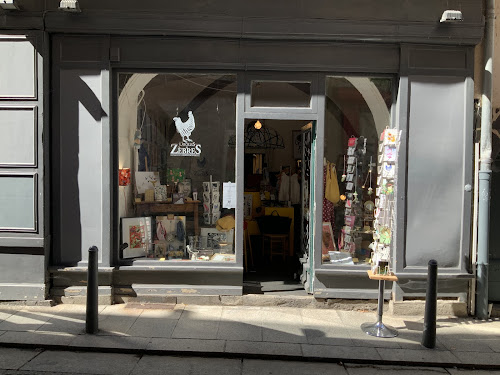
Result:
<point x="332" y="192"/>
<point x="294" y="189"/>
<point x="328" y="207"/>
<point x="180" y="231"/>
<point x="284" y="192"/>
<point x="160" y="231"/>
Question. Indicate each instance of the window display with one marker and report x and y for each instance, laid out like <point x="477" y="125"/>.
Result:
<point x="174" y="131"/>
<point x="357" y="112"/>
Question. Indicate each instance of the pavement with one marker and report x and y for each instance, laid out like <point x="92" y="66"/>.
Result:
<point x="241" y="334"/>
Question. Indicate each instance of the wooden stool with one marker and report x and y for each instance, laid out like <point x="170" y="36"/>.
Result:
<point x="279" y="240"/>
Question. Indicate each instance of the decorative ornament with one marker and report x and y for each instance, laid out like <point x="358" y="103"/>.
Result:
<point x="343" y="197"/>
<point x="370" y="191"/>
<point x="124" y="176"/>
<point x="355" y="194"/>
<point x="343" y="174"/>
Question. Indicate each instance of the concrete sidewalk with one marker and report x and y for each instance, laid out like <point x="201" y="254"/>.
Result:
<point x="252" y="332"/>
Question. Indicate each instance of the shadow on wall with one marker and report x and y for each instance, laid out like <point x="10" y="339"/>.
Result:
<point x="76" y="160"/>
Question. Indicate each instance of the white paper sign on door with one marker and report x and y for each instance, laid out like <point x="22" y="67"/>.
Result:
<point x="229" y="195"/>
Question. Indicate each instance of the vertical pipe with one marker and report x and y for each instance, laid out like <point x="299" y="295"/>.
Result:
<point x="91" y="324"/>
<point x="429" y="334"/>
<point x="485" y="167"/>
<point x="380" y="310"/>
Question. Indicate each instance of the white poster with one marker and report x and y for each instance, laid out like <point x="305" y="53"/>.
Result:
<point x="229" y="195"/>
<point x="146" y="181"/>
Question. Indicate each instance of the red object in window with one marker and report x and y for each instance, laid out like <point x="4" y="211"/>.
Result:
<point x="124" y="177"/>
<point x="352" y="142"/>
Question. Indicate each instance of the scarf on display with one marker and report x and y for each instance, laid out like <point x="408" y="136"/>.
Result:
<point x="180" y="231"/>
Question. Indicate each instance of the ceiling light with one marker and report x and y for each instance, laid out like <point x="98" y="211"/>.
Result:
<point x="451" y="16"/>
<point x="9" y="4"/>
<point x="69" y="6"/>
<point x="257" y="125"/>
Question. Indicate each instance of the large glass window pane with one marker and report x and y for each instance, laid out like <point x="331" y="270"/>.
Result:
<point x="175" y="165"/>
<point x="357" y="110"/>
<point x="17" y="203"/>
<point x="281" y="94"/>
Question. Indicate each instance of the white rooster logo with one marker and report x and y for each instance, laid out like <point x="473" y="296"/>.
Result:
<point x="185" y="128"/>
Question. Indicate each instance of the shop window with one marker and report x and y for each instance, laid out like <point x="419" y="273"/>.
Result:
<point x="281" y="94"/>
<point x="175" y="168"/>
<point x="357" y="111"/>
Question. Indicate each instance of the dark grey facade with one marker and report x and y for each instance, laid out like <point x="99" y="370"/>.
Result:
<point x="72" y="99"/>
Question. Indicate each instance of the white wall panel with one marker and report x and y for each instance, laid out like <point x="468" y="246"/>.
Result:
<point x="18" y="74"/>
<point x="18" y="127"/>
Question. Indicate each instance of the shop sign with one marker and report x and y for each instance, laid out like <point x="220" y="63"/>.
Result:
<point x="186" y="147"/>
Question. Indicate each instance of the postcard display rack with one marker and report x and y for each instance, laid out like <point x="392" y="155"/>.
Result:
<point x="358" y="214"/>
<point x="384" y="225"/>
<point x="384" y="203"/>
<point x="211" y="202"/>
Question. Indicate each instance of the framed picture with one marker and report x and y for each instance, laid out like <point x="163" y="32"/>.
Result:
<point x="136" y="233"/>
<point x="297" y="144"/>
<point x="178" y="198"/>
<point x="328" y="243"/>
<point x="161" y="193"/>
<point x="176" y="174"/>
<point x="213" y="237"/>
<point x="146" y="181"/>
<point x="223" y="257"/>
<point x="171" y="232"/>
<point x="248" y="205"/>
<point x="184" y="187"/>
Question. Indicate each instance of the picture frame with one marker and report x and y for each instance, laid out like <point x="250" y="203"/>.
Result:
<point x="214" y="237"/>
<point x="184" y="187"/>
<point x="328" y="241"/>
<point x="166" y="232"/>
<point x="136" y="233"/>
<point x="146" y="181"/>
<point x="178" y="198"/>
<point x="248" y="205"/>
<point x="218" y="257"/>
<point x="161" y="193"/>
<point x="175" y="174"/>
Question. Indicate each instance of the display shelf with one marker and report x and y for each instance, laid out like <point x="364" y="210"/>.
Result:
<point x="390" y="277"/>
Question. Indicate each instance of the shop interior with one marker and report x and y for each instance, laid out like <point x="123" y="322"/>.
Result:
<point x="273" y="205"/>
<point x="176" y="166"/>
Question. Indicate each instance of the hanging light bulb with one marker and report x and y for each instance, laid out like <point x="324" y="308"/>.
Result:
<point x="257" y="125"/>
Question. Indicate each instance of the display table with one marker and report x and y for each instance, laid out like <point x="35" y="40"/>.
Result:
<point x="378" y="328"/>
<point x="156" y="207"/>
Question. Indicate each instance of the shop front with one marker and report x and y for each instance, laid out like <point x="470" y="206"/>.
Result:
<point x="197" y="161"/>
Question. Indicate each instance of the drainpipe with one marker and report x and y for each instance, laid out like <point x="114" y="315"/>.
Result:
<point x="485" y="166"/>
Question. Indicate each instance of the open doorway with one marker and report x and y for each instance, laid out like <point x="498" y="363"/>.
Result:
<point x="276" y="205"/>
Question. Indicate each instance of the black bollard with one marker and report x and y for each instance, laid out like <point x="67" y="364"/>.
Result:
<point x="92" y="321"/>
<point x="429" y="334"/>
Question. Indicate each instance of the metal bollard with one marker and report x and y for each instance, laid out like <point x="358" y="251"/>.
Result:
<point x="429" y="334"/>
<point x="92" y="321"/>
